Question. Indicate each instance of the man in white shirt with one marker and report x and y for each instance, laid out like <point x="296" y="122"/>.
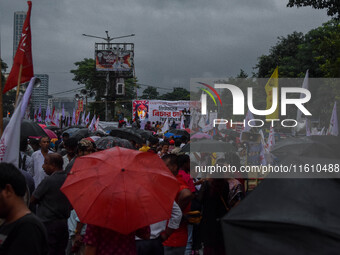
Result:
<point x="160" y="231"/>
<point x="71" y="145"/>
<point x="38" y="159"/>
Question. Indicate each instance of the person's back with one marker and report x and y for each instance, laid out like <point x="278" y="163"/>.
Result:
<point x="26" y="235"/>
<point x="22" y="232"/>
<point x="53" y="204"/>
<point x="54" y="208"/>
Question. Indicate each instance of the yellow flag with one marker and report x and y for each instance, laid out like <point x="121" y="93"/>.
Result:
<point x="272" y="83"/>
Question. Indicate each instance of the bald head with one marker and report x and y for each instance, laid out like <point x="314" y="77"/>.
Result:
<point x="53" y="162"/>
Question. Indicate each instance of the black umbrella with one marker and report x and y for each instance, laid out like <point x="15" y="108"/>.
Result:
<point x="128" y="134"/>
<point x="306" y="147"/>
<point x="180" y="132"/>
<point x="53" y="128"/>
<point x="81" y="133"/>
<point x="208" y="146"/>
<point x="110" y="141"/>
<point x="332" y="142"/>
<point x="28" y="128"/>
<point x="286" y="216"/>
<point x="146" y="134"/>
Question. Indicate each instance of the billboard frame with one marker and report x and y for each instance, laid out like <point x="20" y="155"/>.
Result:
<point x="116" y="52"/>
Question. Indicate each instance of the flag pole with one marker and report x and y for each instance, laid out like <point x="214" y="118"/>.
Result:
<point x="18" y="86"/>
<point x="1" y="104"/>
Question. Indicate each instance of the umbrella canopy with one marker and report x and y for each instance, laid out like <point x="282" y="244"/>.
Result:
<point x="71" y="131"/>
<point x="307" y="147"/>
<point x="28" y="128"/>
<point x="208" y="146"/>
<point x="286" y="216"/>
<point x="148" y="135"/>
<point x="43" y="126"/>
<point x="50" y="133"/>
<point x="121" y="189"/>
<point x="110" y="141"/>
<point x="93" y="138"/>
<point x="80" y="133"/>
<point x="332" y="142"/>
<point x="201" y="136"/>
<point x="127" y="133"/>
<point x="53" y="128"/>
<point x="168" y="135"/>
<point x="180" y="132"/>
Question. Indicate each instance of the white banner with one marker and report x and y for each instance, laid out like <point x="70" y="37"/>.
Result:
<point x="160" y="110"/>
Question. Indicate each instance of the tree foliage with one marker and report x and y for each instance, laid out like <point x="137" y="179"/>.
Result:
<point x="150" y="93"/>
<point x="319" y="52"/>
<point x="332" y="6"/>
<point x="86" y="74"/>
<point x="242" y="74"/>
<point x="176" y="94"/>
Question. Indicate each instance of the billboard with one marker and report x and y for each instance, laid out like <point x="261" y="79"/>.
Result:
<point x="117" y="58"/>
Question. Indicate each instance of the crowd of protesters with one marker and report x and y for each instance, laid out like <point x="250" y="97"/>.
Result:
<point x="38" y="218"/>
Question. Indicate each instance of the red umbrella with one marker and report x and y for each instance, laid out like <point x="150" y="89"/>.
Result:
<point x="121" y="189"/>
<point x="43" y="126"/>
<point x="50" y="133"/>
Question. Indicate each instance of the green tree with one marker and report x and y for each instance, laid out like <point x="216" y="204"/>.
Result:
<point x="86" y="74"/>
<point x="332" y="6"/>
<point x="176" y="94"/>
<point x="319" y="52"/>
<point x="150" y="93"/>
<point x="283" y="54"/>
<point x="242" y="74"/>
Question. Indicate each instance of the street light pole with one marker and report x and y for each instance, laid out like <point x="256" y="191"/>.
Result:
<point x="107" y="94"/>
<point x="108" y="39"/>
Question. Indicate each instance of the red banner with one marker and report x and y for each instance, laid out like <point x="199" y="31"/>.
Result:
<point x="22" y="57"/>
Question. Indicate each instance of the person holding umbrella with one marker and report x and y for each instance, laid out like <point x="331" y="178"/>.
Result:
<point x="176" y="243"/>
<point x="117" y="192"/>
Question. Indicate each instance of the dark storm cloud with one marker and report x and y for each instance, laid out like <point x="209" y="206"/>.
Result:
<point x="175" y="40"/>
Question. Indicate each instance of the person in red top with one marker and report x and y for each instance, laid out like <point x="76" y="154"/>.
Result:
<point x="184" y="171"/>
<point x="177" y="242"/>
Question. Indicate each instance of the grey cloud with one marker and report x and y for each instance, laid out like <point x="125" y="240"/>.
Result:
<point x="175" y="40"/>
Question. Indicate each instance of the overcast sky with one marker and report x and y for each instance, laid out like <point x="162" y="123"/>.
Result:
<point x="175" y="40"/>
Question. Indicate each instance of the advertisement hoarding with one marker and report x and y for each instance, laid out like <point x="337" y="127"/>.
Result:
<point x="160" y="110"/>
<point x="116" y="58"/>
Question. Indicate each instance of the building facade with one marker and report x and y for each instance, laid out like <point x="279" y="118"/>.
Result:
<point x="19" y="19"/>
<point x="69" y="104"/>
<point x="40" y="94"/>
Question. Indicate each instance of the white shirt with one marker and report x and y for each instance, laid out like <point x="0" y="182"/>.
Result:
<point x="66" y="161"/>
<point x="174" y="221"/>
<point x="72" y="224"/>
<point x="36" y="170"/>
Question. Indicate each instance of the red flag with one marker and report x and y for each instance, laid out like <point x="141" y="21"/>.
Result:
<point x="22" y="57"/>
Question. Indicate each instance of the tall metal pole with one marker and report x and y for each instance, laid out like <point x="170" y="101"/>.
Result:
<point x="106" y="94"/>
<point x="108" y="39"/>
